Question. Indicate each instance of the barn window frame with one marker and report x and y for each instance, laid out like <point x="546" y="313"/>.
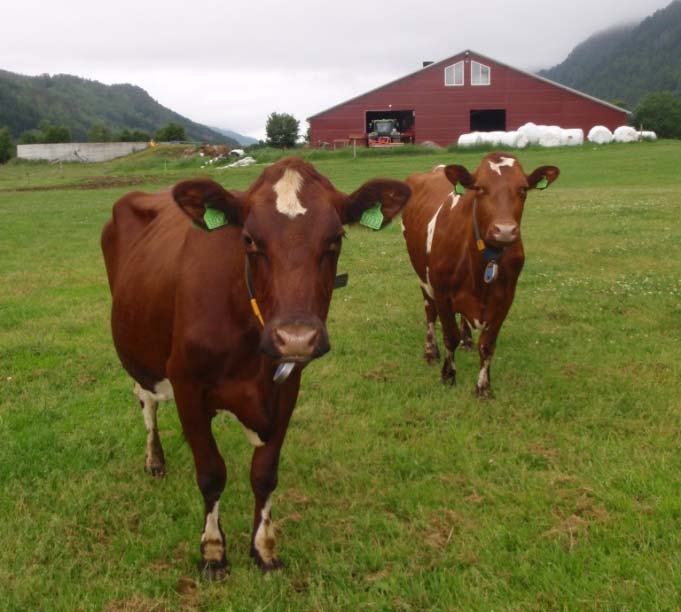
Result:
<point x="477" y="79"/>
<point x="458" y="67"/>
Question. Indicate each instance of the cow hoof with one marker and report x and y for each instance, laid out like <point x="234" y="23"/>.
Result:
<point x="448" y="376"/>
<point x="214" y="571"/>
<point x="266" y="567"/>
<point x="466" y="345"/>
<point x="155" y="469"/>
<point x="431" y="357"/>
<point x="484" y="392"/>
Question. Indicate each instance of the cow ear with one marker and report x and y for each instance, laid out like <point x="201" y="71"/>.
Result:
<point x="391" y="195"/>
<point x="459" y="175"/>
<point x="207" y="204"/>
<point x="542" y="177"/>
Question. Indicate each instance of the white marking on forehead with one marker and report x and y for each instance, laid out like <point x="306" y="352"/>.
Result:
<point x="287" y="188"/>
<point x="427" y="287"/>
<point x="504" y="161"/>
<point x="431" y="230"/>
<point x="455" y="199"/>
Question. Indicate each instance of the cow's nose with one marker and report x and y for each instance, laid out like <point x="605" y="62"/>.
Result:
<point x="505" y="232"/>
<point x="298" y="342"/>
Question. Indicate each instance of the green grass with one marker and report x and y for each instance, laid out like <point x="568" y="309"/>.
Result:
<point x="395" y="492"/>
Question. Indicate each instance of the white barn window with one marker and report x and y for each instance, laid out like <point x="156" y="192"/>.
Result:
<point x="480" y="74"/>
<point x="454" y="75"/>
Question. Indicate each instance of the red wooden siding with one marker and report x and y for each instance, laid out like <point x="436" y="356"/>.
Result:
<point x="443" y="113"/>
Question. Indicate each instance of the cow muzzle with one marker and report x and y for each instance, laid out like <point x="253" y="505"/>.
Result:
<point x="295" y="342"/>
<point x="504" y="233"/>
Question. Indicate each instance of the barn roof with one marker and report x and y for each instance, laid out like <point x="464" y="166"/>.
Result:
<point x="466" y="53"/>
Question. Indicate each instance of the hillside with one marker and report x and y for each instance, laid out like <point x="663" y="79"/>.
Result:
<point x="627" y="63"/>
<point x="244" y="141"/>
<point x="79" y="104"/>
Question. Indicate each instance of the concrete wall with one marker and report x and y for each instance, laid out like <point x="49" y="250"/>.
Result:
<point x="79" y="151"/>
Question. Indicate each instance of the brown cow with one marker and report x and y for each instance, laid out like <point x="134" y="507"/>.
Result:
<point x="463" y="237"/>
<point x="227" y="319"/>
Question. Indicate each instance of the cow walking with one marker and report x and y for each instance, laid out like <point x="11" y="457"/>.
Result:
<point x="463" y="236"/>
<point x="219" y="300"/>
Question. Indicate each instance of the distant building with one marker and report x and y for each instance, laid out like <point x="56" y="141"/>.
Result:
<point x="464" y="93"/>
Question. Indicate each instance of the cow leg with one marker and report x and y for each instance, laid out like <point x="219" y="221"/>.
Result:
<point x="154" y="463"/>
<point x="486" y="346"/>
<point x="466" y="335"/>
<point x="264" y="468"/>
<point x="432" y="353"/>
<point x="451" y="337"/>
<point x="210" y="476"/>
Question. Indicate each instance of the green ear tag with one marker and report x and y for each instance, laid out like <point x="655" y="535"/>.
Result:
<point x="214" y="218"/>
<point x="460" y="189"/>
<point x="543" y="183"/>
<point x="372" y="217"/>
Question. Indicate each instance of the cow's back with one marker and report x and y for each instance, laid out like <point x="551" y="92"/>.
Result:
<point x="428" y="192"/>
<point x="142" y="245"/>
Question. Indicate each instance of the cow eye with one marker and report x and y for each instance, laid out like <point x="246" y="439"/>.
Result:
<point x="250" y="244"/>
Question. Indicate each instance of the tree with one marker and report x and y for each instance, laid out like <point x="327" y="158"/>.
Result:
<point x="53" y="133"/>
<point x="660" y="112"/>
<point x="171" y="131"/>
<point x="99" y="133"/>
<point x="6" y="145"/>
<point x="282" y="130"/>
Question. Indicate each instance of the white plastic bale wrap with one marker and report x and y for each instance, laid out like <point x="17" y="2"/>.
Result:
<point x="625" y="133"/>
<point x="531" y="133"/>
<point x="647" y="135"/>
<point x="599" y="134"/>
<point x="469" y="140"/>
<point x="574" y="137"/>
<point x="550" y="136"/>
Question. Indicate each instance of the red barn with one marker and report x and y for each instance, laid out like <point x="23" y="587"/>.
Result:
<point x="464" y="93"/>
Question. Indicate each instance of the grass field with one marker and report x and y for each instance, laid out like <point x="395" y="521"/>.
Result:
<point x="395" y="493"/>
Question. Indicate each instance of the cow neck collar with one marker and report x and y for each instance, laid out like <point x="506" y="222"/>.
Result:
<point x="489" y="253"/>
<point x="251" y="293"/>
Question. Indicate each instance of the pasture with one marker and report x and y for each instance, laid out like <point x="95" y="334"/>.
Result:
<point x="395" y="492"/>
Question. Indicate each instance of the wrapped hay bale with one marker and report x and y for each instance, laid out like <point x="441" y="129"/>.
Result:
<point x="599" y="134"/>
<point x="574" y="137"/>
<point x="625" y="133"/>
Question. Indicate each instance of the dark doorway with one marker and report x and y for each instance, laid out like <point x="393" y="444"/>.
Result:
<point x="488" y="120"/>
<point x="383" y="123"/>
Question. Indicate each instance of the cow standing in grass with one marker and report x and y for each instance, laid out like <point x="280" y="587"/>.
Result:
<point x="463" y="236"/>
<point x="227" y="319"/>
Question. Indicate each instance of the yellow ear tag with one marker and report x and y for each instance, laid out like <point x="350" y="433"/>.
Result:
<point x="480" y="244"/>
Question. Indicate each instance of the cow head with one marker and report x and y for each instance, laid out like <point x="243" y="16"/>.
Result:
<point x="292" y="228"/>
<point x="500" y="186"/>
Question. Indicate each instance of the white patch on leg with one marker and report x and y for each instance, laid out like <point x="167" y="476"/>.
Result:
<point x="251" y="436"/>
<point x="431" y="230"/>
<point x="265" y="540"/>
<point x="483" y="377"/>
<point x="503" y="162"/>
<point x="211" y="538"/>
<point x="149" y="408"/>
<point x="427" y="287"/>
<point x="402" y="226"/>
<point x="478" y="325"/>
<point x="287" y="188"/>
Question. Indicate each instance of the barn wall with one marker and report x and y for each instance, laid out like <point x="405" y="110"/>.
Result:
<point x="443" y="113"/>
<point x="79" y="151"/>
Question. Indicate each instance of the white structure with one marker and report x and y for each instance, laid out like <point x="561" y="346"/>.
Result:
<point x="79" y="151"/>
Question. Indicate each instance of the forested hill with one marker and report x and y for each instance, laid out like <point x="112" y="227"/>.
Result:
<point x="627" y="63"/>
<point x="80" y="104"/>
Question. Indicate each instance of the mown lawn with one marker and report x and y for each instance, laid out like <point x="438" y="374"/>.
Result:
<point x="395" y="492"/>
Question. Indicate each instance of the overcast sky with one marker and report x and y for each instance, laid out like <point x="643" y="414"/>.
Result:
<point x="229" y="64"/>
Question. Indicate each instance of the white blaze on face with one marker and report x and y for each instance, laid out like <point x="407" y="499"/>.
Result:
<point x="503" y="162"/>
<point x="431" y="230"/>
<point x="264" y="540"/>
<point x="211" y="538"/>
<point x="483" y="377"/>
<point x="287" y="188"/>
